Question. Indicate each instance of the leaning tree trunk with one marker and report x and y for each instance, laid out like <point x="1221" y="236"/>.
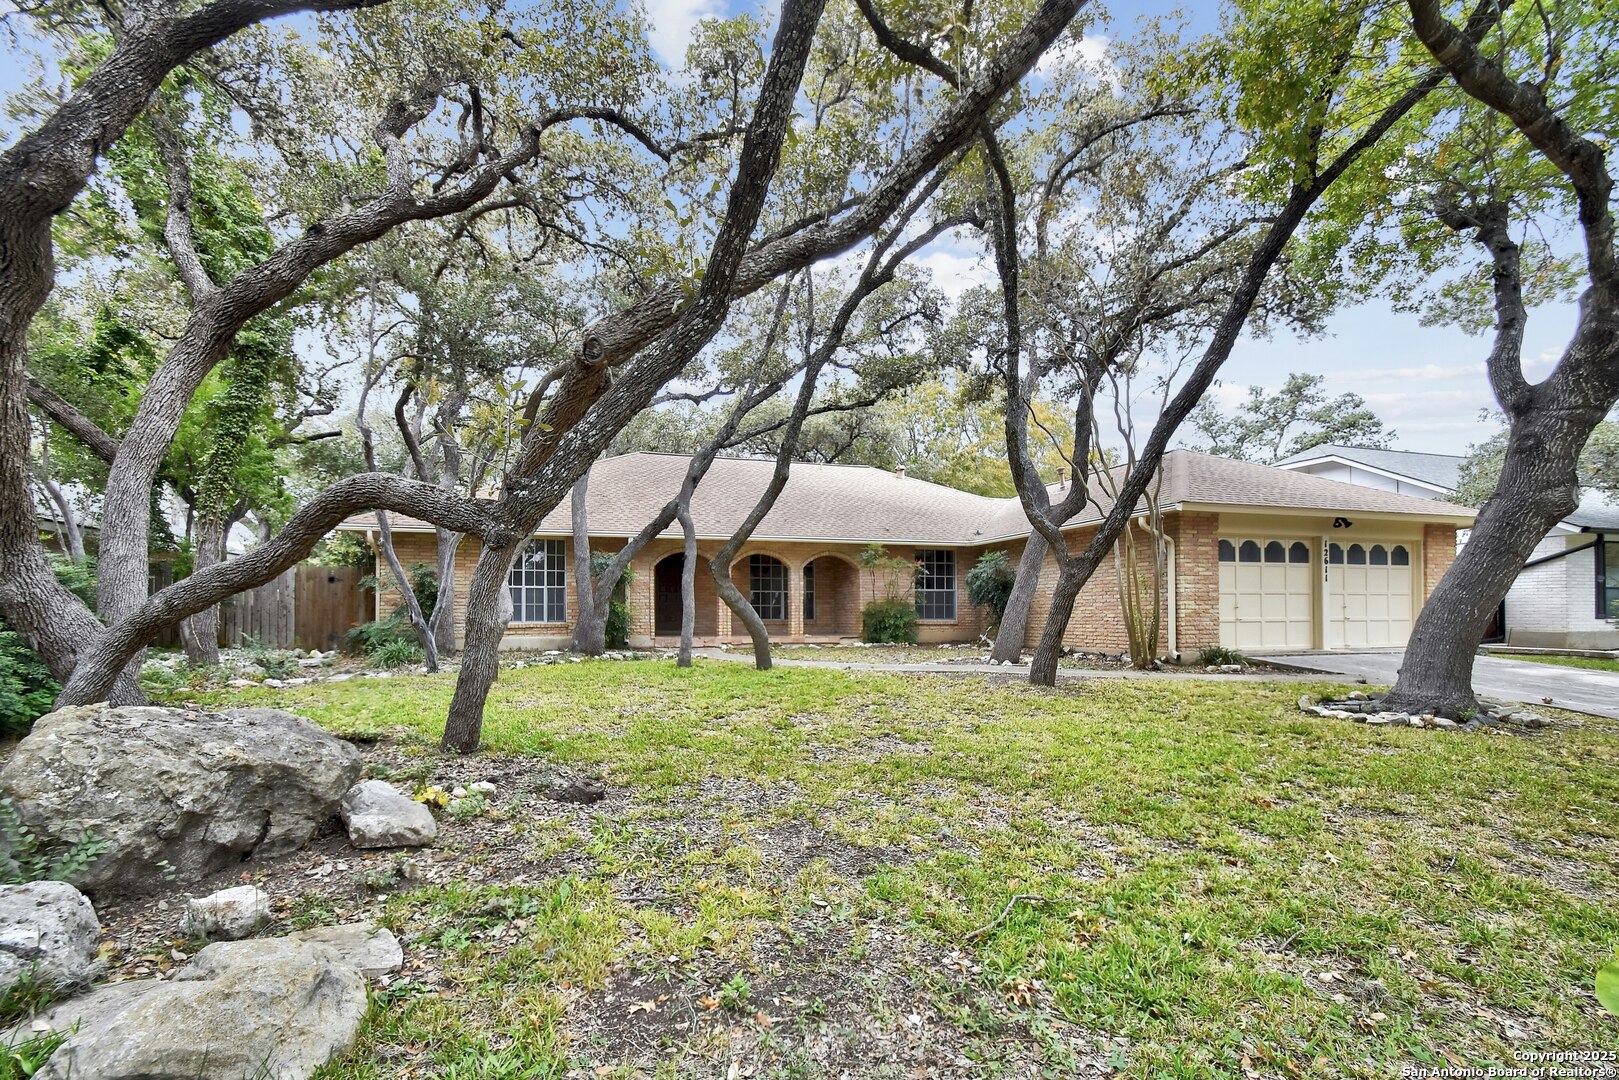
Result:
<point x="688" y="586"/>
<point x="743" y="610"/>
<point x="407" y="593"/>
<point x="200" y="633"/>
<point x="593" y="597"/>
<point x="1014" y="628"/>
<point x="1537" y="489"/>
<point x="441" y="626"/>
<point x="1070" y="579"/>
<point x="489" y="609"/>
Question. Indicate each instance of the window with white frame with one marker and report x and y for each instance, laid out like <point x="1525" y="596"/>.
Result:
<point x="809" y="592"/>
<point x="539" y="583"/>
<point x="936" y="585"/>
<point x="767" y="586"/>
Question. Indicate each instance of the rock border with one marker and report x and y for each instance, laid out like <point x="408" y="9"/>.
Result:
<point x="1362" y="708"/>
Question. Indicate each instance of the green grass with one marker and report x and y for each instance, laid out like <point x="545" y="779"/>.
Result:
<point x="1228" y="885"/>
<point x="1594" y="663"/>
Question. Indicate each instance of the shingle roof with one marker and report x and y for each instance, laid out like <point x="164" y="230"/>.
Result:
<point x="1438" y="470"/>
<point x="862" y="504"/>
<point x="1599" y="513"/>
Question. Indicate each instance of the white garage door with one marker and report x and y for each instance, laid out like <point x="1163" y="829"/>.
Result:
<point x="1369" y="591"/>
<point x="1266" y="600"/>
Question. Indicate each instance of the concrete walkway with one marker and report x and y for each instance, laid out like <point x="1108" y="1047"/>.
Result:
<point x="1576" y="689"/>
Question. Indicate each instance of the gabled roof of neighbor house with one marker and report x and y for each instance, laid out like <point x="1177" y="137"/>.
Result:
<point x="1442" y="471"/>
<point x="861" y="504"/>
<point x="1596" y="513"/>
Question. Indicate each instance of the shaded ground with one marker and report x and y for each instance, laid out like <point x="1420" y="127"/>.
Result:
<point x="807" y="873"/>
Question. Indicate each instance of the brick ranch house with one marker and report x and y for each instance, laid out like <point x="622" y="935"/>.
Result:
<point x="1259" y="558"/>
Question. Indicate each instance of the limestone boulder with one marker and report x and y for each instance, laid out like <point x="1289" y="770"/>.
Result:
<point x="227" y="915"/>
<point x="176" y="794"/>
<point x="379" y="815"/>
<point x="269" y="1008"/>
<point x="48" y="931"/>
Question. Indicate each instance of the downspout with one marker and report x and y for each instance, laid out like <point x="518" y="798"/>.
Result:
<point x="1174" y="651"/>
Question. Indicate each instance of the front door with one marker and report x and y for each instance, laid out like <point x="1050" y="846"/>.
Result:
<point x="666" y="595"/>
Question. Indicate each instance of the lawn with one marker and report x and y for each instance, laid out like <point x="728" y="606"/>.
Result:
<point x="1594" y="663"/>
<point x="807" y="872"/>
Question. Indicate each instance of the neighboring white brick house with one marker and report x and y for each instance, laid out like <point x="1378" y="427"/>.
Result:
<point x="1567" y="596"/>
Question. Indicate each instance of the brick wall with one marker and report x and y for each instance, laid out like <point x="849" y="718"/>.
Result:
<point x="1097" y="623"/>
<point x="843" y="589"/>
<point x="1438" y="552"/>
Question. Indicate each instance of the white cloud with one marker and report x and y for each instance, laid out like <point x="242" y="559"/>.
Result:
<point x="673" y="22"/>
<point x="1085" y="56"/>
<point x="954" y="273"/>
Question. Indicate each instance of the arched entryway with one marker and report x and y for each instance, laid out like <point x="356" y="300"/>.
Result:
<point x="666" y="595"/>
<point x="831" y="598"/>
<point x="666" y="598"/>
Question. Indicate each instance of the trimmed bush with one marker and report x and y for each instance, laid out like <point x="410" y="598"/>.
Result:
<point x="989" y="583"/>
<point x="888" y="622"/>
<point x="618" y="625"/>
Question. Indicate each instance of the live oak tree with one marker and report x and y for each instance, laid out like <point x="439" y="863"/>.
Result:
<point x="1271" y="425"/>
<point x="674" y="303"/>
<point x="1530" y="135"/>
<point x="1316" y="89"/>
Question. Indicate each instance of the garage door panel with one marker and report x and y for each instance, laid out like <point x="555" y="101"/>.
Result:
<point x="1370" y="598"/>
<point x="1266" y="601"/>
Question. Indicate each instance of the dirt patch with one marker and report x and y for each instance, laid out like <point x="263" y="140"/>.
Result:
<point x="818" y="999"/>
<point x="790" y="846"/>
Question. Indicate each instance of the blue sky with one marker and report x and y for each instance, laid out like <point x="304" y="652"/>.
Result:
<point x="1427" y="383"/>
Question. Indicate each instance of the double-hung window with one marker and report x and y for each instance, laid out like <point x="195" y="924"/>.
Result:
<point x="936" y="585"/>
<point x="539" y="583"/>
<point x="767" y="587"/>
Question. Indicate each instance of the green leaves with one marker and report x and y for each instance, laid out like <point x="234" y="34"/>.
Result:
<point x="1607" y="986"/>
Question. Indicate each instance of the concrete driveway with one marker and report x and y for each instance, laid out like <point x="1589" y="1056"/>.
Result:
<point x="1578" y="689"/>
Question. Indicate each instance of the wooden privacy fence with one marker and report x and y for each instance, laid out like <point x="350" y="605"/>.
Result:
<point x="310" y="607"/>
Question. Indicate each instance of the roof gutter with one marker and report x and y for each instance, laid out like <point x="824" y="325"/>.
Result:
<point x="1565" y="553"/>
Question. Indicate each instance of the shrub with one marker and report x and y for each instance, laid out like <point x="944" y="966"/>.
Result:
<point x="27" y="690"/>
<point x="274" y="663"/>
<point x="396" y="653"/>
<point x="989" y="583"/>
<point x="618" y="625"/>
<point x="24" y="857"/>
<point x="26" y="687"/>
<point x="1217" y="655"/>
<point x="368" y="637"/>
<point x="888" y="622"/>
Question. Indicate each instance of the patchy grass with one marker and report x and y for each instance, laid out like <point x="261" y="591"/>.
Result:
<point x="796" y="868"/>
<point x="1594" y="663"/>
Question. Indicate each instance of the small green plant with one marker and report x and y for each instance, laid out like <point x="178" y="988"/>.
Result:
<point x="468" y="807"/>
<point x="396" y="654"/>
<point x="1607" y="986"/>
<point x="24" y="857"/>
<point x="25" y="1059"/>
<point x="990" y="582"/>
<point x="888" y="622"/>
<point x="734" y="994"/>
<point x="25" y="997"/>
<point x="274" y="663"/>
<point x="1219" y="656"/>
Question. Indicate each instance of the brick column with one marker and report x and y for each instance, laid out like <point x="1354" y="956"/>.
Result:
<point x="795" y="599"/>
